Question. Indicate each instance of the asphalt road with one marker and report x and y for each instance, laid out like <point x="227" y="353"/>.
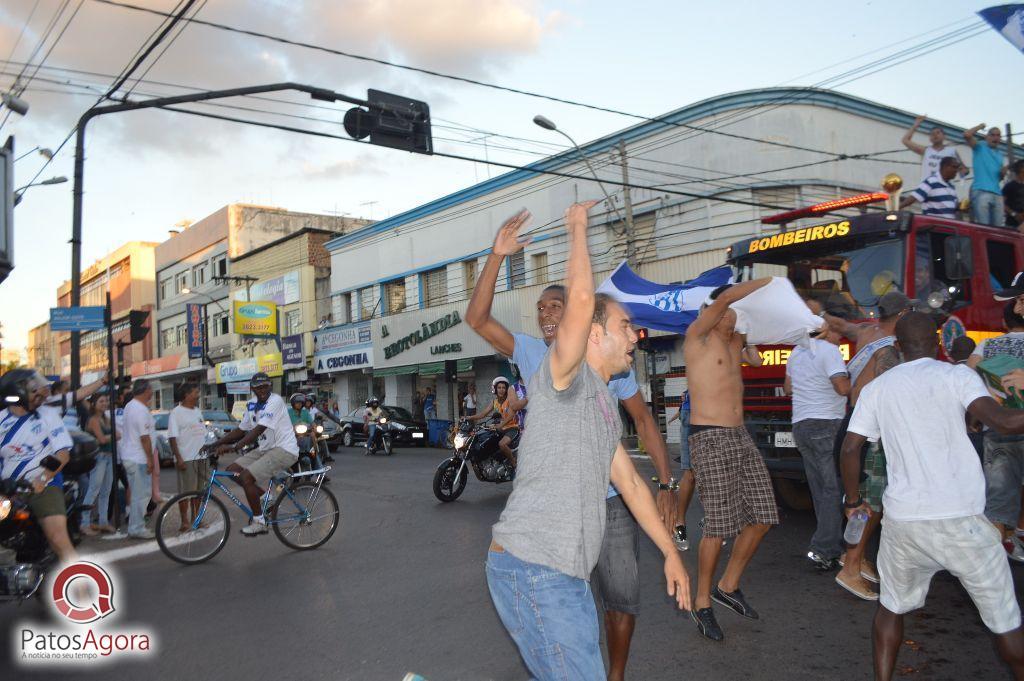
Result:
<point x="401" y="588"/>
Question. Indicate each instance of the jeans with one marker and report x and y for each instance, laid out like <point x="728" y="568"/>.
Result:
<point x="1003" y="463"/>
<point x="138" y="483"/>
<point x="98" y="494"/>
<point x="684" y="440"/>
<point x="815" y="438"/>
<point x="371" y="433"/>
<point x="986" y="208"/>
<point x="550" y="616"/>
<point x="430" y="413"/>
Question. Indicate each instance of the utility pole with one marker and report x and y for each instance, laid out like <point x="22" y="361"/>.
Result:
<point x="248" y="281"/>
<point x="628" y="201"/>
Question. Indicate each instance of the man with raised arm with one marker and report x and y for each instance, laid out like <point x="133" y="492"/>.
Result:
<point x="732" y="479"/>
<point x="935" y="501"/>
<point x="617" y="575"/>
<point x="548" y="539"/>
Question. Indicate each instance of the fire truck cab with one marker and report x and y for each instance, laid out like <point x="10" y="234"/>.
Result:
<point x="847" y="264"/>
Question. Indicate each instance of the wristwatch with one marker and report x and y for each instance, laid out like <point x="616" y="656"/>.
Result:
<point x="856" y="503"/>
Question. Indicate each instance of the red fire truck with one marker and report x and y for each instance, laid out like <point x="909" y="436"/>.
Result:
<point x="952" y="267"/>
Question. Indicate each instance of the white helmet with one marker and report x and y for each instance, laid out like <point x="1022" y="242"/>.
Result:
<point x="495" y="382"/>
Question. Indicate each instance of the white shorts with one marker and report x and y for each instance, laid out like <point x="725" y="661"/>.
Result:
<point x="911" y="552"/>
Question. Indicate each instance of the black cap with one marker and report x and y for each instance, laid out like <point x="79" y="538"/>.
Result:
<point x="259" y="379"/>
<point x="894" y="302"/>
<point x="1015" y="289"/>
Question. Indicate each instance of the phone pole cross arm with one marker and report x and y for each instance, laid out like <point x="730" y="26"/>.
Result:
<point x="318" y="93"/>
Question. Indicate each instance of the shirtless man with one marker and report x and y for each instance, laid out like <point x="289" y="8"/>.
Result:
<point x="732" y="479"/>
<point x="876" y="353"/>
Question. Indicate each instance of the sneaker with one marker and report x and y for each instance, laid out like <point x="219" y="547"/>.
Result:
<point x="861" y="591"/>
<point x="822" y="564"/>
<point x="145" y="534"/>
<point x="735" y="601"/>
<point x="255" y="526"/>
<point x="1014" y="548"/>
<point x="707" y="625"/>
<point x="682" y="543"/>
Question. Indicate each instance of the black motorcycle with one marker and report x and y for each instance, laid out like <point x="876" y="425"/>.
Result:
<point x="479" y="448"/>
<point x="25" y="555"/>
<point x="382" y="439"/>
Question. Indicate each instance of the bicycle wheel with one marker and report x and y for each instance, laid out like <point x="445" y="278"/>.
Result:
<point x="307" y="518"/>
<point x="196" y="544"/>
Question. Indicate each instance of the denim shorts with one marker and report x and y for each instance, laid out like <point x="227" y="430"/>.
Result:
<point x="1003" y="463"/>
<point x="616" y="577"/>
<point x="549" y="615"/>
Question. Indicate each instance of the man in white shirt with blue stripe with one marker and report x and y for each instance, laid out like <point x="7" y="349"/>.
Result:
<point x="616" y="573"/>
<point x="936" y="193"/>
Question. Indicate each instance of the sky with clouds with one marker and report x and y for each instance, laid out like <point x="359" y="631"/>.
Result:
<point x="149" y="170"/>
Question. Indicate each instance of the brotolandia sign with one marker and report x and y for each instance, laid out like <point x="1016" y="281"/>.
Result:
<point x="833" y="230"/>
<point x="255" y="319"/>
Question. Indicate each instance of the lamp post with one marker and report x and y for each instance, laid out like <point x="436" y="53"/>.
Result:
<point x="20" y="191"/>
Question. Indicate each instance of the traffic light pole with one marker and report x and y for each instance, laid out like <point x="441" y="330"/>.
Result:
<point x="113" y="406"/>
<point x="322" y="94"/>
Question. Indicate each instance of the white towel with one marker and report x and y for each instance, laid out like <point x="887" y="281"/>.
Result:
<point x="775" y="314"/>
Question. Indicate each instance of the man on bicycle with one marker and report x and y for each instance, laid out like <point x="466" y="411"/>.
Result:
<point x="266" y="421"/>
<point x="32" y="440"/>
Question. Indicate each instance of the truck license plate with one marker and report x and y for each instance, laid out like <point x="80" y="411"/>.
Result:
<point x="784" y="440"/>
<point x="420" y="436"/>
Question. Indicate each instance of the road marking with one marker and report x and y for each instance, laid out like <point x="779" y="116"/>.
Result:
<point x="142" y="548"/>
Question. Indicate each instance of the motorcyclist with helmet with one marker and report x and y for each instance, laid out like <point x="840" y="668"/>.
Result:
<point x="297" y="411"/>
<point x="315" y="412"/>
<point x="266" y="421"/>
<point x="373" y="413"/>
<point x="35" y="446"/>
<point x="505" y="407"/>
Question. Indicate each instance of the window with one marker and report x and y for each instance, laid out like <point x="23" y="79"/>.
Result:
<point x="168" y="338"/>
<point x="219" y="324"/>
<point x="435" y="287"/>
<point x="469" y="276"/>
<point x="539" y="261"/>
<point x="180" y="282"/>
<point x="1001" y="265"/>
<point x="394" y="295"/>
<point x="932" y="285"/>
<point x="292" y="322"/>
<point x="165" y="289"/>
<point x="367" y="302"/>
<point x="198" y="275"/>
<point x="341" y="308"/>
<point x="220" y="266"/>
<point x="517" y="270"/>
<point x="180" y="334"/>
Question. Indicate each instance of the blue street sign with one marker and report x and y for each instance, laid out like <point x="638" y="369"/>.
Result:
<point x="78" y="318"/>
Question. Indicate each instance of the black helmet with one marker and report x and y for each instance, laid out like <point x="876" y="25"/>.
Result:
<point x="311" y="398"/>
<point x="372" y="401"/>
<point x="259" y="379"/>
<point x="17" y="386"/>
<point x="297" y="397"/>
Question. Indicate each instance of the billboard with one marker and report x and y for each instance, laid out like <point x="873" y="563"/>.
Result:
<point x="241" y="370"/>
<point x="292" y="351"/>
<point x="255" y="319"/>
<point x="342" y="348"/>
<point x="196" y="330"/>
<point x="282" y="290"/>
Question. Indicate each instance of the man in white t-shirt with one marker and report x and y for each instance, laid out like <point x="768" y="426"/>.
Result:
<point x="817" y="379"/>
<point x="931" y="155"/>
<point x="186" y="435"/>
<point x="935" y="499"/>
<point x="266" y="421"/>
<point x="138" y="455"/>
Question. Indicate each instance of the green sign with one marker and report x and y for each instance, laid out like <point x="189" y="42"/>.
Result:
<point x="421" y="335"/>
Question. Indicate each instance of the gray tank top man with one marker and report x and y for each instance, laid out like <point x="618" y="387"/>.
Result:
<point x="555" y="515"/>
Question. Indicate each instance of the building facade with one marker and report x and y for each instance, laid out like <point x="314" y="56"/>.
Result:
<point x="43" y="350"/>
<point x="782" y="148"/>
<point x="127" y="273"/>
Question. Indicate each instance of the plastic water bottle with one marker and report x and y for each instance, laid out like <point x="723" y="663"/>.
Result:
<point x="855" y="527"/>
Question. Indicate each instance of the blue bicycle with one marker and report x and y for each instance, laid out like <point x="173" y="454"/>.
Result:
<point x="193" y="527"/>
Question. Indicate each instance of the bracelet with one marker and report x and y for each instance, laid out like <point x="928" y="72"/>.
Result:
<point x="672" y="485"/>
<point x="857" y="503"/>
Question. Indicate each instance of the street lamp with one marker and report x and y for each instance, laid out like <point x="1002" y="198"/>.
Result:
<point x="18" y="193"/>
<point x="548" y="124"/>
<point x="14" y="103"/>
<point x="45" y="153"/>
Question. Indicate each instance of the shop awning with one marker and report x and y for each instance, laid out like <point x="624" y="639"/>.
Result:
<point x="395" y="371"/>
<point x="428" y="369"/>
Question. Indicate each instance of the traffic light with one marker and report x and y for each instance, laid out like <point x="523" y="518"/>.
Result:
<point x="138" y="320"/>
<point x="643" y="339"/>
<point x="451" y="371"/>
<point x="392" y="121"/>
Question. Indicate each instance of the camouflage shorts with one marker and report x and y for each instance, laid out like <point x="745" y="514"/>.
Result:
<point x="872" y="487"/>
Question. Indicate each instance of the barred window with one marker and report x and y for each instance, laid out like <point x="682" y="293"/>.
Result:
<point x="435" y="287"/>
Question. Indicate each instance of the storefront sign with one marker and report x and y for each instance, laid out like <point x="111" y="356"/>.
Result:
<point x="196" y="329"/>
<point x="280" y="290"/>
<point x="157" y="365"/>
<point x="422" y="334"/>
<point x="241" y="388"/>
<point x="446" y="349"/>
<point x="256" y="319"/>
<point x="244" y="369"/>
<point x="342" y="348"/>
<point x="292" y="353"/>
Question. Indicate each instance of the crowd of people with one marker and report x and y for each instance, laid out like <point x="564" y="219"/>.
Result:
<point x="996" y="195"/>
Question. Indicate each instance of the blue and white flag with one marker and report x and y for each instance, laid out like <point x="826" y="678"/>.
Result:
<point x="1008" y="20"/>
<point x="666" y="307"/>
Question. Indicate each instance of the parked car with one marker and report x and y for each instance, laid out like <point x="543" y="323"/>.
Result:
<point x="407" y="432"/>
<point x="217" y="421"/>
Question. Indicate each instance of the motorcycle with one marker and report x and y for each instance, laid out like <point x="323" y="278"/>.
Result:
<point x="381" y="438"/>
<point x="479" y="448"/>
<point x="309" y="438"/>
<point x="25" y="555"/>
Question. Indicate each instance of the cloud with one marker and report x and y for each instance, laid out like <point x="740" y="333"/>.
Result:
<point x="361" y="166"/>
